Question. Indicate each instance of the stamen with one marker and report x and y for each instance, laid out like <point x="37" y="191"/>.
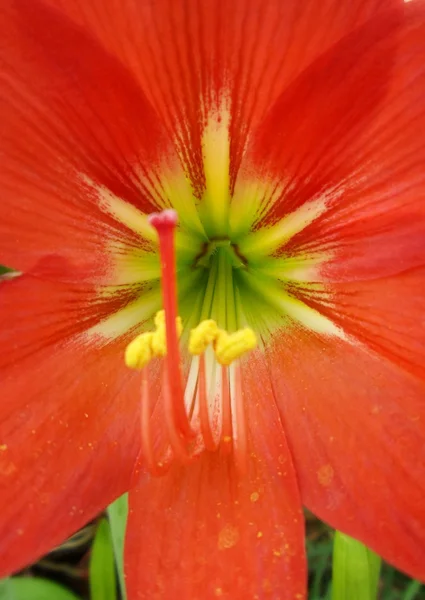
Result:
<point x="203" y="335"/>
<point x="226" y="428"/>
<point x="155" y="467"/>
<point x="150" y="344"/>
<point x="139" y="352"/>
<point x="230" y="347"/>
<point x="240" y="440"/>
<point x="203" y="407"/>
<point x="177" y="442"/>
<point x="165" y="224"/>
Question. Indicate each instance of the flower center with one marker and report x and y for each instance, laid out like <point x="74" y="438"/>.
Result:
<point x="199" y="418"/>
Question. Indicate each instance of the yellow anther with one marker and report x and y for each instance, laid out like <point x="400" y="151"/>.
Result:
<point x="159" y="319"/>
<point x="229" y="347"/>
<point x="159" y="340"/>
<point x="150" y="344"/>
<point x="139" y="352"/>
<point x="205" y="333"/>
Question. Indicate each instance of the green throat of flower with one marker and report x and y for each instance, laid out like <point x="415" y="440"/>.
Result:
<point x="242" y="279"/>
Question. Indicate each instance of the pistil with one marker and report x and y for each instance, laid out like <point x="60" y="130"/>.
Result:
<point x="165" y="224"/>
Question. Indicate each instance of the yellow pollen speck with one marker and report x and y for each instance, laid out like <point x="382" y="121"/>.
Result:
<point x="277" y="553"/>
<point x="227" y="439"/>
<point x="205" y="333"/>
<point x="228" y="537"/>
<point x="218" y="591"/>
<point x="229" y="347"/>
<point x="3" y="447"/>
<point x="254" y="496"/>
<point x="260" y="534"/>
<point x="325" y="475"/>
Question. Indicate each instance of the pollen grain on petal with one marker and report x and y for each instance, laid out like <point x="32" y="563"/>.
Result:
<point x="228" y="537"/>
<point x="325" y="475"/>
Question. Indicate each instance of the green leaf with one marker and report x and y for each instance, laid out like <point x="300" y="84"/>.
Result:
<point x="102" y="565"/>
<point x="6" y="590"/>
<point x="355" y="570"/>
<point x="411" y="591"/>
<point x="36" y="588"/>
<point x="117" y="513"/>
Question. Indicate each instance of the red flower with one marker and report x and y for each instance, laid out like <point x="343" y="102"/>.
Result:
<point x="289" y="137"/>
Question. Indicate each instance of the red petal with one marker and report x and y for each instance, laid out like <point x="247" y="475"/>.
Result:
<point x="386" y="315"/>
<point x="193" y="49"/>
<point x="355" y="426"/>
<point x="67" y="436"/>
<point x="351" y="135"/>
<point x="70" y="112"/>
<point x="199" y="532"/>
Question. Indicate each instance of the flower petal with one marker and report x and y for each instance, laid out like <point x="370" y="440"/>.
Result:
<point x="351" y="138"/>
<point x="355" y="426"/>
<point x="68" y="442"/>
<point x="200" y="56"/>
<point x="80" y="145"/>
<point x="385" y="315"/>
<point x="200" y="531"/>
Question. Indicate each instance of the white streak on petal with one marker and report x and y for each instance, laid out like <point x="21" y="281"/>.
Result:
<point x="127" y="318"/>
<point x="216" y="158"/>
<point x="268" y="240"/>
<point x="309" y="317"/>
<point x="122" y="211"/>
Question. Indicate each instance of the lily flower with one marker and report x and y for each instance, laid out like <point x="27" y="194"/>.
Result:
<point x="216" y="209"/>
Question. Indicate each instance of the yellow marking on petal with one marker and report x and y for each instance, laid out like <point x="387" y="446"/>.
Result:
<point x="251" y="198"/>
<point x="229" y="347"/>
<point x="202" y="335"/>
<point x="133" y="265"/>
<point x="216" y="156"/>
<point x="267" y="240"/>
<point x="302" y="267"/>
<point x="128" y="317"/>
<point x="122" y="211"/>
<point x="309" y="317"/>
<point x="178" y="191"/>
<point x="287" y="305"/>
